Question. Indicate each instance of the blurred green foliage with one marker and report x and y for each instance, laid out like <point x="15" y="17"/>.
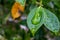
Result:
<point x="10" y="29"/>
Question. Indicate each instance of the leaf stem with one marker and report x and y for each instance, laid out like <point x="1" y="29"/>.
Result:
<point x="41" y="3"/>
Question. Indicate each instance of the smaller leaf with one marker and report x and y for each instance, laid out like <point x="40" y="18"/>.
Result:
<point x="22" y="2"/>
<point x="51" y="21"/>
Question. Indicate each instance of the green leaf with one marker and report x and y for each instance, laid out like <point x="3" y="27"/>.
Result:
<point x="57" y="3"/>
<point x="22" y="2"/>
<point x="6" y="18"/>
<point x="51" y="21"/>
<point x="35" y="19"/>
<point x="33" y="1"/>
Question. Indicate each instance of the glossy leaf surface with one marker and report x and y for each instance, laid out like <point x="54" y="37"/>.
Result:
<point x="35" y="19"/>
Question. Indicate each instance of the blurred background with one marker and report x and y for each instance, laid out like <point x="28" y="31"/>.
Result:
<point x="17" y="29"/>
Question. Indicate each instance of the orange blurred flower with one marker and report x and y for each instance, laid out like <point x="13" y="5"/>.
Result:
<point x="15" y="10"/>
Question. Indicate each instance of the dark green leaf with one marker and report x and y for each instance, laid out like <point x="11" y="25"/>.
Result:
<point x="6" y="18"/>
<point x="57" y="3"/>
